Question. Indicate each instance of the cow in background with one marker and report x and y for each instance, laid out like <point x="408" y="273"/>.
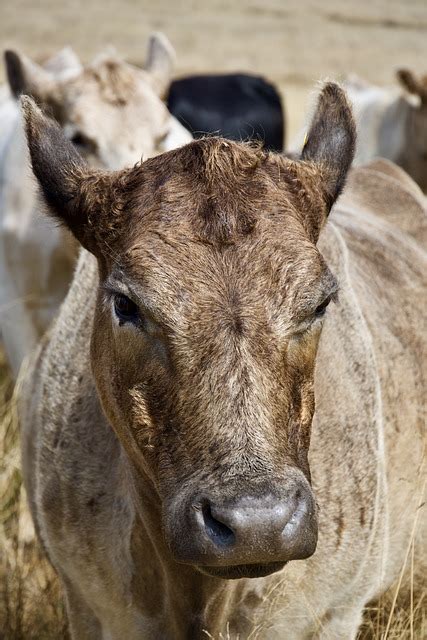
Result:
<point x="392" y="124"/>
<point x="237" y="106"/>
<point x="114" y="115"/>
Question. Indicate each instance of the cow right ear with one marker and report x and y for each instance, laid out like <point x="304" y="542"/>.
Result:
<point x="160" y="62"/>
<point x="25" y="77"/>
<point x="331" y="140"/>
<point x="72" y="191"/>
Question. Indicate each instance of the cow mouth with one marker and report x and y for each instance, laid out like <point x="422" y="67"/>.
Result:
<point x="242" y="570"/>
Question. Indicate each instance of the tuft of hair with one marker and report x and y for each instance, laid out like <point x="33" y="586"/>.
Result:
<point x="115" y="79"/>
<point x="228" y="184"/>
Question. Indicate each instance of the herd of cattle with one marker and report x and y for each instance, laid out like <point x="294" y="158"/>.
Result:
<point x="168" y="412"/>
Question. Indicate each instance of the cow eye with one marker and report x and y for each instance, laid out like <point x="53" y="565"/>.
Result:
<point x="125" y="309"/>
<point x="321" y="309"/>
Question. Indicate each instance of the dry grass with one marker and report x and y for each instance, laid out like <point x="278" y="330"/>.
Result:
<point x="31" y="607"/>
<point x="401" y="625"/>
<point x="30" y="602"/>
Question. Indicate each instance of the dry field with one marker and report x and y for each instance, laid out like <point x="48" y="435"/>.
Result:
<point x="295" y="43"/>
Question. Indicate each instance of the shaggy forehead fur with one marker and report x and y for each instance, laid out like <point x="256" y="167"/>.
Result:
<point x="217" y="192"/>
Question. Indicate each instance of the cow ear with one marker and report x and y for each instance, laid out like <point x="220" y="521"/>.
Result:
<point x="69" y="187"/>
<point x="409" y="82"/>
<point x="64" y="64"/>
<point x="160" y="62"/>
<point x="25" y="77"/>
<point x="331" y="140"/>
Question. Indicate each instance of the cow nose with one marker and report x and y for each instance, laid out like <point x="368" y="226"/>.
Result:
<point x="257" y="529"/>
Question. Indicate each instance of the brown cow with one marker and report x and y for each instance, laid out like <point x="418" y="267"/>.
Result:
<point x="168" y="415"/>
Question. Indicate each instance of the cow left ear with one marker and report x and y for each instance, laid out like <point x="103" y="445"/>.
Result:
<point x="76" y="195"/>
<point x="25" y="77"/>
<point x="160" y="62"/>
<point x="331" y="141"/>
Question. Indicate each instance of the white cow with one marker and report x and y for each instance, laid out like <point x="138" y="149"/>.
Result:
<point x="392" y="124"/>
<point x="19" y="224"/>
<point x="113" y="113"/>
<point x="63" y="65"/>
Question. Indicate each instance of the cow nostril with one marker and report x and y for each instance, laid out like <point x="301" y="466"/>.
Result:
<point x="218" y="532"/>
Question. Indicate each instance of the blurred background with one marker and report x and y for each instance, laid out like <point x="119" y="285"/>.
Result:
<point x="293" y="42"/>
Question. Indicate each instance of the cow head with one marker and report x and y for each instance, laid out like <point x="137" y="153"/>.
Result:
<point x="212" y="295"/>
<point x="111" y="110"/>
<point x="414" y="155"/>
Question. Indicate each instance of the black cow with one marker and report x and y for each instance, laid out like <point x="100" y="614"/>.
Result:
<point x="237" y="106"/>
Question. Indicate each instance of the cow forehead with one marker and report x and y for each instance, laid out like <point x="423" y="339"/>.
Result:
<point x="271" y="259"/>
<point x="212" y="191"/>
<point x="116" y="87"/>
<point x="205" y="293"/>
<point x="176" y="273"/>
<point x="212" y="212"/>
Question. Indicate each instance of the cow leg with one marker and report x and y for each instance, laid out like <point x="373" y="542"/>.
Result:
<point x="84" y="625"/>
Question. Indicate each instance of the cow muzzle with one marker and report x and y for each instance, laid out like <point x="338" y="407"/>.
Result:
<point x="251" y="535"/>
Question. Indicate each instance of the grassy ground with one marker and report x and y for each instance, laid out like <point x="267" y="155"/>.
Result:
<point x="30" y="599"/>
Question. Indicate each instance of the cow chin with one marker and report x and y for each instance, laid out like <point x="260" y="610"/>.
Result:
<point x="242" y="571"/>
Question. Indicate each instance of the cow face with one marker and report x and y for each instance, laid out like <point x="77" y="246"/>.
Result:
<point x="414" y="154"/>
<point x="211" y="301"/>
<point x="110" y="110"/>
